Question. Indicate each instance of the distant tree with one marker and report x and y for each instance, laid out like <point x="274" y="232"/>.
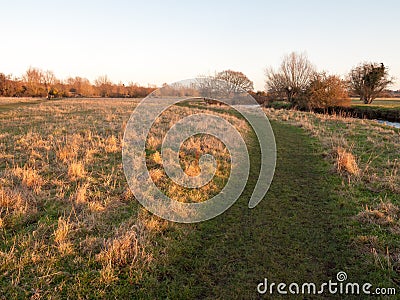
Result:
<point x="238" y="81"/>
<point x="368" y="80"/>
<point x="49" y="80"/>
<point x="78" y="86"/>
<point x="3" y="85"/>
<point x="103" y="85"/>
<point x="324" y="91"/>
<point x="33" y="80"/>
<point x="14" y="87"/>
<point x="292" y="78"/>
<point x="260" y="96"/>
<point x="119" y="90"/>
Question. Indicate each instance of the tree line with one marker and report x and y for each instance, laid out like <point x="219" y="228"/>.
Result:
<point x="297" y="81"/>
<point x="39" y="83"/>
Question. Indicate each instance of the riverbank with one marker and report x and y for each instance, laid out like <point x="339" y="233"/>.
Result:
<point x="381" y="109"/>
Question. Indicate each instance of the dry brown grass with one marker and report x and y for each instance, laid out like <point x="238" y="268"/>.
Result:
<point x="61" y="236"/>
<point x="338" y="134"/>
<point x="76" y="170"/>
<point x="66" y="154"/>
<point x="15" y="204"/>
<point x="346" y="162"/>
<point x="385" y="213"/>
<point x="29" y="177"/>
<point x="156" y="157"/>
<point x="129" y="247"/>
<point x="81" y="194"/>
<point x="111" y="144"/>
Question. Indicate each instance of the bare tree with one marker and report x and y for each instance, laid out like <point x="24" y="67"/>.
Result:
<point x="368" y="80"/>
<point x="49" y="80"/>
<point x="209" y="87"/>
<point x="79" y="86"/>
<point x="292" y="77"/>
<point x="238" y="81"/>
<point x="3" y="85"/>
<point x="33" y="78"/>
<point x="104" y="85"/>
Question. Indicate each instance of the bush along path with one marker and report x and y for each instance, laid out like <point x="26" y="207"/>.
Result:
<point x="299" y="233"/>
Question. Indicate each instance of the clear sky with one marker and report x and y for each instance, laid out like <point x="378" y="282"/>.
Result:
<point x="166" y="41"/>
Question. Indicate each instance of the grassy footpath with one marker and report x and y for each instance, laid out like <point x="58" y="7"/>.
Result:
<point x="298" y="233"/>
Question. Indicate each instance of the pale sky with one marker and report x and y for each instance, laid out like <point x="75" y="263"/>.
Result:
<point x="152" y="42"/>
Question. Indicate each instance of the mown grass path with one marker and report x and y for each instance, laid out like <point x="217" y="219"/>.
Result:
<point x="296" y="234"/>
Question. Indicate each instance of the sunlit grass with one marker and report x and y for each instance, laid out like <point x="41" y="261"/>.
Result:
<point x="68" y="221"/>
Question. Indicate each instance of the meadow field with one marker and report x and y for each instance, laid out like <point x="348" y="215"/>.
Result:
<point x="71" y="228"/>
<point x="382" y="102"/>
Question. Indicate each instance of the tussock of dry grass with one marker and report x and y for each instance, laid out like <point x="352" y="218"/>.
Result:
<point x="346" y="162"/>
<point x="385" y="213"/>
<point x="66" y="154"/>
<point x="111" y="145"/>
<point x="76" y="170"/>
<point x="61" y="236"/>
<point x="81" y="194"/>
<point x="156" y="157"/>
<point x="125" y="249"/>
<point x="15" y="204"/>
<point x="29" y="177"/>
<point x="129" y="247"/>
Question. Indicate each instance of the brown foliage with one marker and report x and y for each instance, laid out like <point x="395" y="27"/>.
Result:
<point x="325" y="91"/>
<point x="38" y="83"/>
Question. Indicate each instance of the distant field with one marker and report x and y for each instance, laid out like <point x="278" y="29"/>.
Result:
<point x="11" y="102"/>
<point x="383" y="102"/>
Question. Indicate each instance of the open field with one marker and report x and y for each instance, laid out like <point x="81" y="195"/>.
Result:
<point x="69" y="223"/>
<point x="381" y="102"/>
<point x="71" y="228"/>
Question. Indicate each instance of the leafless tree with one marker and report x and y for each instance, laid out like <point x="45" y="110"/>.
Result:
<point x="79" y="86"/>
<point x="292" y="77"/>
<point x="368" y="80"/>
<point x="49" y="80"/>
<point x="238" y="81"/>
<point x="104" y="85"/>
<point x="33" y="78"/>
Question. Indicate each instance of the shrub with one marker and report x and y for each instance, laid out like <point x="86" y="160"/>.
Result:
<point x="324" y="91"/>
